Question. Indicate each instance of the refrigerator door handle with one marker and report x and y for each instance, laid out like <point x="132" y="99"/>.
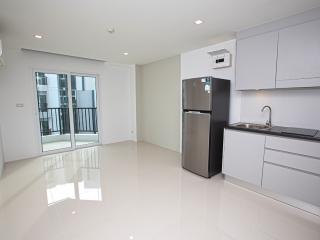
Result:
<point x="197" y="112"/>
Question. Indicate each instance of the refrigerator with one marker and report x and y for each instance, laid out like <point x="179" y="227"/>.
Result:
<point x="205" y="104"/>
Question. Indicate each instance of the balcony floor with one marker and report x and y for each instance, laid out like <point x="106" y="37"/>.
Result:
<point x="62" y="141"/>
<point x="63" y="144"/>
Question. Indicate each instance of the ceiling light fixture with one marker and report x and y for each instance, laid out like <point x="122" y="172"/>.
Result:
<point x="126" y="54"/>
<point x="111" y="30"/>
<point x="198" y="22"/>
<point x="37" y="36"/>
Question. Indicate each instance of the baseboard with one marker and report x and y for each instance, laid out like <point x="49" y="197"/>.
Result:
<point x="283" y="199"/>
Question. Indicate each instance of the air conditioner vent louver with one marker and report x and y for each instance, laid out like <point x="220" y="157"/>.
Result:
<point x="1" y="58"/>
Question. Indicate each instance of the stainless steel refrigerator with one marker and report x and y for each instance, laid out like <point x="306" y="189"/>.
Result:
<point x="205" y="104"/>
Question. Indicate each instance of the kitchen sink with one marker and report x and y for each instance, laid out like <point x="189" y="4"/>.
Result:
<point x="253" y="126"/>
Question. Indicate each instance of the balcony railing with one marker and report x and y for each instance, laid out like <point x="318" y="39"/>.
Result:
<point x="56" y="120"/>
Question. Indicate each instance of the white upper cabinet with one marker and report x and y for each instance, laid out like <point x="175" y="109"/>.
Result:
<point x="280" y="54"/>
<point x="299" y="56"/>
<point x="256" y="62"/>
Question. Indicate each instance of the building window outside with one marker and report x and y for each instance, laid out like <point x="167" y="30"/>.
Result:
<point x="41" y="79"/>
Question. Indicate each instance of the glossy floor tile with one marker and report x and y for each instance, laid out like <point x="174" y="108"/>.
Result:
<point x="136" y="191"/>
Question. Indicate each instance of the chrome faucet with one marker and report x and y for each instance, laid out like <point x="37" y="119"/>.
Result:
<point x="268" y="123"/>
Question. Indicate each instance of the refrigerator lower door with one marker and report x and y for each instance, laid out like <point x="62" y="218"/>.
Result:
<point x="195" y="142"/>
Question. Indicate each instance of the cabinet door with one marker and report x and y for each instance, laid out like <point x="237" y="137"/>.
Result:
<point x="291" y="145"/>
<point x="299" y="56"/>
<point x="256" y="62"/>
<point x="292" y="183"/>
<point x="299" y="162"/>
<point x="243" y="155"/>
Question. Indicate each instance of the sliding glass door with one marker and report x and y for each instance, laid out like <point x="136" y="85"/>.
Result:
<point x="53" y="107"/>
<point x="84" y="105"/>
<point x="66" y="123"/>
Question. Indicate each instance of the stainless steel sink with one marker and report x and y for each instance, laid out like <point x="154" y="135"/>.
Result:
<point x="253" y="126"/>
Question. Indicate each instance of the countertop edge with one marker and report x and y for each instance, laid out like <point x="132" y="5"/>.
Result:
<point x="268" y="132"/>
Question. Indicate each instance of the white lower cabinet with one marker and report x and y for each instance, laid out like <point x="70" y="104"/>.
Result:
<point x="290" y="145"/>
<point x="291" y="160"/>
<point x="243" y="155"/>
<point x="286" y="166"/>
<point x="292" y="168"/>
<point x="292" y="183"/>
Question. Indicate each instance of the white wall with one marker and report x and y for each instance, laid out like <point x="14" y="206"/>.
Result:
<point x="290" y="107"/>
<point x="116" y="89"/>
<point x="158" y="98"/>
<point x="1" y="154"/>
<point x="139" y="102"/>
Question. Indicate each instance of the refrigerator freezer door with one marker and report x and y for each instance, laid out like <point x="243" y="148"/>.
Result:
<point x="195" y="142"/>
<point x="197" y="94"/>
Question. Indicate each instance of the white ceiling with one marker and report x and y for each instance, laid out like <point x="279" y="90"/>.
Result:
<point x="148" y="30"/>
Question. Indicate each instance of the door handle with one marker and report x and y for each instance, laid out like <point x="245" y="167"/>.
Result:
<point x="197" y="112"/>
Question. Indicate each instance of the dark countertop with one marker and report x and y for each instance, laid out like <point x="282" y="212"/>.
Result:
<point x="282" y="131"/>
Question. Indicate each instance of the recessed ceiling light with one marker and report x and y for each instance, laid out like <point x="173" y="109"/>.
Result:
<point x="131" y="237"/>
<point x="197" y="22"/>
<point x="125" y="53"/>
<point x="111" y="30"/>
<point x="37" y="36"/>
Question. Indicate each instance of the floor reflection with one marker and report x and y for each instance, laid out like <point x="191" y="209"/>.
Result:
<point x="89" y="184"/>
<point x="146" y="195"/>
<point x="73" y="177"/>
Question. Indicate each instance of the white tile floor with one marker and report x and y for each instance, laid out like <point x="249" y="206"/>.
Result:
<point x="136" y="191"/>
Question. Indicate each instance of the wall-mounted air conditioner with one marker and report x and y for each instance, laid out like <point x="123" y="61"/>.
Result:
<point x="221" y="58"/>
<point x="1" y="58"/>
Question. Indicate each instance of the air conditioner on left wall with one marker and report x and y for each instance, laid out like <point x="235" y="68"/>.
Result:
<point x="1" y="58"/>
